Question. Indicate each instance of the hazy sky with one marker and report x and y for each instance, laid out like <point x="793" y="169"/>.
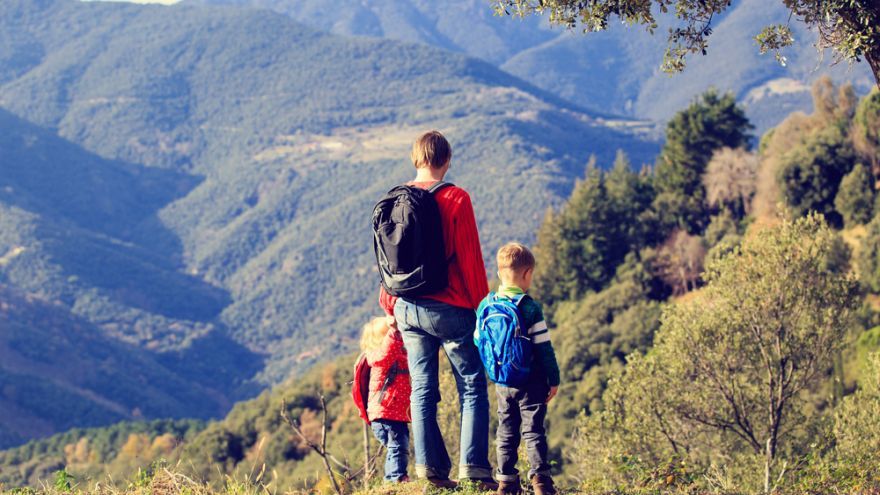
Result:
<point x="166" y="2"/>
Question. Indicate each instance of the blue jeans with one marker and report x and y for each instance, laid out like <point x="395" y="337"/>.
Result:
<point x="426" y="326"/>
<point x="394" y="435"/>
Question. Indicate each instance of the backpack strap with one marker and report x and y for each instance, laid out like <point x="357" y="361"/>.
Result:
<point x="516" y="300"/>
<point x="438" y="186"/>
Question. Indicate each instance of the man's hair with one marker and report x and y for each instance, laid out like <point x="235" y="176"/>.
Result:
<point x="515" y="257"/>
<point x="431" y="149"/>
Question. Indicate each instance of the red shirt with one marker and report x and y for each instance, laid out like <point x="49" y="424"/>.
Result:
<point x="468" y="283"/>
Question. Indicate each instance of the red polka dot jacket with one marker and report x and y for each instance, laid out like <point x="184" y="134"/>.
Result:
<point x="389" y="380"/>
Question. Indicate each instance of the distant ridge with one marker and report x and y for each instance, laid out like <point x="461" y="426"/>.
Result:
<point x="615" y="71"/>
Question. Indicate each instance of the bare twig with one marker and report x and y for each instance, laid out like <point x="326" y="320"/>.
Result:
<point x="321" y="450"/>
<point x="367" y="473"/>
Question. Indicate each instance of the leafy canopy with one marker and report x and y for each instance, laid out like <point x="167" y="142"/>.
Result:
<point x="850" y="27"/>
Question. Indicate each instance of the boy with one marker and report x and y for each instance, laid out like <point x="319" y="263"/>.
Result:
<point x="524" y="409"/>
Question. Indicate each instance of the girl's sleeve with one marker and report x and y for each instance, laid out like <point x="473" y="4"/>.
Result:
<point x="469" y="253"/>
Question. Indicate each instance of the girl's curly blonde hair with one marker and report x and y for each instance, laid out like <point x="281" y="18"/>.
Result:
<point x="374" y="332"/>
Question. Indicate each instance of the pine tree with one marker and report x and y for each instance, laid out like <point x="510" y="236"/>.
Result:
<point x="545" y="287"/>
<point x="692" y="136"/>
<point x="630" y="194"/>
<point x="587" y="242"/>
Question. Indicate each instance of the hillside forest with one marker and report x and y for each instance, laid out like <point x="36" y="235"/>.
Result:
<point x="715" y="315"/>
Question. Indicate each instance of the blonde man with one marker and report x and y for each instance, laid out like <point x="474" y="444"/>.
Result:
<point x="446" y="319"/>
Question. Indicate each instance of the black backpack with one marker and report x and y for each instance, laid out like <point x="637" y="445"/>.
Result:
<point x="408" y="240"/>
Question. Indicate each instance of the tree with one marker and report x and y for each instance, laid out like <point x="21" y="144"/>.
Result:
<point x="587" y="247"/>
<point x="869" y="257"/>
<point x="631" y="194"/>
<point x="856" y="429"/>
<point x="866" y="130"/>
<point x="855" y="197"/>
<point x="809" y="175"/>
<point x="593" y="335"/>
<point x="730" y="180"/>
<point x="581" y="246"/>
<point x="805" y="156"/>
<point x="546" y="287"/>
<point x="731" y="366"/>
<point x="679" y="261"/>
<point x="850" y="27"/>
<point x="693" y="135"/>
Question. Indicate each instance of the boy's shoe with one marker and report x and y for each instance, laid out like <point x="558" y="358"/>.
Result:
<point x="508" y="488"/>
<point x="443" y="483"/>
<point x="543" y="485"/>
<point x="483" y="484"/>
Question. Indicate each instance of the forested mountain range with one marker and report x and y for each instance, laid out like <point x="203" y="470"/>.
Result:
<point x="750" y="246"/>
<point x="193" y="184"/>
<point x="615" y="71"/>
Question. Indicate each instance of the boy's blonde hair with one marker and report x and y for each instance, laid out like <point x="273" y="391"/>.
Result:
<point x="514" y="257"/>
<point x="374" y="332"/>
<point x="431" y="149"/>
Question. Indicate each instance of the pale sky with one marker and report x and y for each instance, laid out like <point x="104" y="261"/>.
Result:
<point x="163" y="2"/>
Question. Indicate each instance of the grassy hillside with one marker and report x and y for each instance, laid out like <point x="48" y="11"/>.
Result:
<point x="616" y="72"/>
<point x="252" y="433"/>
<point x="197" y="181"/>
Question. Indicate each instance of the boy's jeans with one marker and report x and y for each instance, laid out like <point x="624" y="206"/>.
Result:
<point x="426" y="325"/>
<point x="394" y="435"/>
<point x="521" y="409"/>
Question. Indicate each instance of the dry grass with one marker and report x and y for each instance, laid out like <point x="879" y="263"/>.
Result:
<point x="172" y="480"/>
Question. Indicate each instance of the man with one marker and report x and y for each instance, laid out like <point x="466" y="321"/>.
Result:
<point x="446" y="319"/>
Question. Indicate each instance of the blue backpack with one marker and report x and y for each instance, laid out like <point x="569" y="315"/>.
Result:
<point x="505" y="351"/>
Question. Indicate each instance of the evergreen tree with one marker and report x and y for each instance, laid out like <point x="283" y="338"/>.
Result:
<point x="855" y="197"/>
<point x="607" y="216"/>
<point x="587" y="246"/>
<point x="631" y="194"/>
<point x="546" y="287"/>
<point x="710" y="123"/>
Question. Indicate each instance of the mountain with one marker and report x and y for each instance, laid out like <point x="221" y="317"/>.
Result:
<point x="615" y="71"/>
<point x="77" y="278"/>
<point x="195" y="182"/>
<point x="60" y="371"/>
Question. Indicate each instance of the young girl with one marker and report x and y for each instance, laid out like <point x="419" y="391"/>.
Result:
<point x="388" y="404"/>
